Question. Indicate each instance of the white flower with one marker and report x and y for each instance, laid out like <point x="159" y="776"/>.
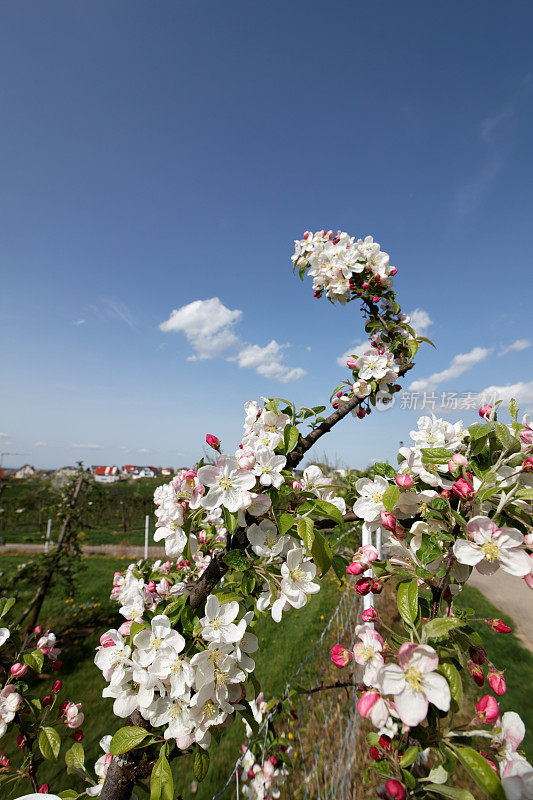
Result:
<point x="429" y="473"/>
<point x="113" y="657"/>
<point x="265" y="539"/>
<point x="228" y="484"/>
<point x="174" y="712"/>
<point x="367" y="651"/>
<point x="136" y="695"/>
<point x="268" y="467"/>
<point x="491" y="548"/>
<point x="414" y="683"/>
<point x="10" y="702"/>
<point x="370" y="505"/>
<point x="174" y="670"/>
<point x="160" y="638"/>
<point x="433" y="432"/>
<point x="296" y="583"/>
<point x="516" y="773"/>
<point x="4" y="635"/>
<point x="101" y="767"/>
<point x="174" y="536"/>
<point x="372" y="365"/>
<point x="218" y="625"/>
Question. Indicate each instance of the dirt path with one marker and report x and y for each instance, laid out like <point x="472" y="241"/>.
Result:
<point x="512" y="596"/>
<point x="118" y="550"/>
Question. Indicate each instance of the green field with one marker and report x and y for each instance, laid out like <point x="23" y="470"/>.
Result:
<point x="80" y="623"/>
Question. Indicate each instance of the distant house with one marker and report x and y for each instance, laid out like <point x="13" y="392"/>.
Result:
<point x="105" y="474"/>
<point x="167" y="471"/>
<point x="145" y="472"/>
<point x="26" y="471"/>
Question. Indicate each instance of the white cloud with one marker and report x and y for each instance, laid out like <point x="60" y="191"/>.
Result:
<point x="460" y="363"/>
<point x="521" y="391"/>
<point x="79" y="322"/>
<point x="268" y="361"/>
<point x="356" y="349"/>
<point x="40" y="444"/>
<point x="87" y="446"/>
<point x="143" y="450"/>
<point x="208" y="326"/>
<point x="420" y="320"/>
<point x="520" y="344"/>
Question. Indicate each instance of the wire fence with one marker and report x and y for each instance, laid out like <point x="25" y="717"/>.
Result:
<point x="325" y="732"/>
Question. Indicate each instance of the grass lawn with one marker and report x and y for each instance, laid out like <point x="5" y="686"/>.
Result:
<point x="507" y="653"/>
<point x="282" y="648"/>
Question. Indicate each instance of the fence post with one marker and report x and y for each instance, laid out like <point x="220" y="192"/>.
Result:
<point x="146" y="535"/>
<point x="48" y="532"/>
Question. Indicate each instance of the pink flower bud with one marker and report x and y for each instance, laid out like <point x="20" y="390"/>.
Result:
<point x="307" y="234"/>
<point x="213" y="441"/>
<point x="388" y="520"/>
<point x="485" y="412"/>
<point x="297" y="486"/>
<point x="56" y="688"/>
<point x="366" y="285"/>
<point x="394" y="271"/>
<point x="527" y="466"/>
<point x="377" y="587"/>
<point x="463" y="489"/>
<point x="38" y="630"/>
<point x="404" y="481"/>
<point x="497" y="681"/>
<point x="499" y="626"/>
<point x="18" y="670"/>
<point x="150" y="586"/>
<point x="273" y="760"/>
<point x="352" y="363"/>
<point x="369" y="614"/>
<point x="317" y="294"/>
<point x="340" y="655"/>
<point x="361" y="413"/>
<point x="374" y="753"/>
<point x="125" y="627"/>
<point x="459" y="459"/>
<point x="375" y="300"/>
<point x="5" y="762"/>
<point x="477" y="673"/>
<point x="56" y="665"/>
<point x="106" y="640"/>
<point x="487" y="709"/>
<point x="47" y="701"/>
<point x="445" y="494"/>
<point x="77" y="735"/>
<point x="355" y="568"/>
<point x="43" y="788"/>
<point x="366" y="702"/>
<point x="395" y="790"/>
<point x="363" y="586"/>
<point x="369" y="553"/>
<point x="478" y="655"/>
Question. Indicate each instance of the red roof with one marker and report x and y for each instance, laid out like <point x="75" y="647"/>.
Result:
<point x="105" y="470"/>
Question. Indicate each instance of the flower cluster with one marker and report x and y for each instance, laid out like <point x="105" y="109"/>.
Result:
<point x="459" y="499"/>
<point x="342" y="265"/>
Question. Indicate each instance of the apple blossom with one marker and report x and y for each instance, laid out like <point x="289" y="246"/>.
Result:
<point x="227" y="482"/>
<point x="492" y="547"/>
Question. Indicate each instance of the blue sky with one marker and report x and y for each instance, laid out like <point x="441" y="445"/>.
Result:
<point x="154" y="154"/>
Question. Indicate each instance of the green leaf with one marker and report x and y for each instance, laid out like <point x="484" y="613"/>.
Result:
<point x="391" y="497"/>
<point x="372" y="738"/>
<point x="513" y="408"/>
<point x="385" y="470"/>
<point x="248" y="715"/>
<point x="321" y="553"/>
<point x="230" y="520"/>
<point x="329" y="510"/>
<point x="201" y="764"/>
<point x="161" y="782"/>
<point x="480" y="771"/>
<point x="408" y="601"/>
<point x="425" y="339"/>
<point x="441" y="626"/>
<point x="449" y="791"/>
<point x="436" y="455"/>
<point x="305" y="528"/>
<point x="503" y="434"/>
<point x="126" y="739"/>
<point x="525" y="493"/>
<point x="49" y="743"/>
<point x="236" y="559"/>
<point x="285" y="523"/>
<point x="68" y="794"/>
<point x="409" y="756"/>
<point x="413" y="346"/>
<point x="429" y="549"/>
<point x="439" y="504"/>
<point x="453" y="677"/>
<point x="75" y="758"/>
<point x="35" y="660"/>
<point x="5" y="604"/>
<point x="136" y="627"/>
<point x="291" y="434"/>
<point x="479" y="429"/>
<point x="339" y="565"/>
